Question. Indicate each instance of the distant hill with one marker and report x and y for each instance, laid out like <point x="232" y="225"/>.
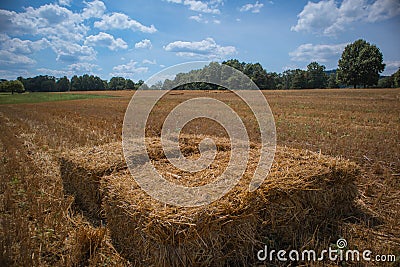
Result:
<point x="329" y="72"/>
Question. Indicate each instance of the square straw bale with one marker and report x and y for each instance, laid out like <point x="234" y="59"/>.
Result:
<point x="303" y="191"/>
<point x="81" y="171"/>
<point x="82" y="168"/>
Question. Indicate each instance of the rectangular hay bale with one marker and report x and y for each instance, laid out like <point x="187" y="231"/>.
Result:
<point x="81" y="170"/>
<point x="303" y="190"/>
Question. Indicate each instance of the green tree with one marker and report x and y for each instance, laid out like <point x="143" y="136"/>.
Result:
<point x="105" y="84"/>
<point x="287" y="77"/>
<point x="168" y="85"/>
<point x="12" y="86"/>
<point x="117" y="83"/>
<point x="332" y="83"/>
<point x="257" y="74"/>
<point x="396" y="79"/>
<point x="273" y="79"/>
<point x="316" y="77"/>
<point x="299" y="80"/>
<point x="48" y="85"/>
<point x="129" y="84"/>
<point x="76" y="83"/>
<point x="157" y="86"/>
<point x="62" y="84"/>
<point x="385" y="82"/>
<point x="234" y="63"/>
<point x="86" y="82"/>
<point x="360" y="64"/>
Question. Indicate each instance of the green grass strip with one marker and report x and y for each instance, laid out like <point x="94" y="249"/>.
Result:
<point x="8" y="98"/>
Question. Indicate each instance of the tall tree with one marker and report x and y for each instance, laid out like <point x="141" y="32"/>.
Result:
<point x="257" y="74"/>
<point x="316" y="75"/>
<point x="332" y="83"/>
<point x="234" y="63"/>
<point x="62" y="84"/>
<point x="117" y="83"/>
<point x="396" y="79"/>
<point x="385" y="82"/>
<point x="48" y="84"/>
<point x="76" y="83"/>
<point x="299" y="80"/>
<point x="360" y="64"/>
<point x="12" y="86"/>
<point x="129" y="84"/>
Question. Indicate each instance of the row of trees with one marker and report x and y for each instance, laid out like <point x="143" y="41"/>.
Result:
<point x="45" y="83"/>
<point x="314" y="77"/>
<point x="392" y="81"/>
<point x="360" y="65"/>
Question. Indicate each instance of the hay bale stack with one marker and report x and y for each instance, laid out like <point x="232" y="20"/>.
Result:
<point x="303" y="191"/>
<point x="81" y="171"/>
<point x="82" y="168"/>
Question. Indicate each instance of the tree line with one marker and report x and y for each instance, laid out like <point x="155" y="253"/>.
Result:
<point x="359" y="66"/>
<point x="314" y="77"/>
<point x="46" y="83"/>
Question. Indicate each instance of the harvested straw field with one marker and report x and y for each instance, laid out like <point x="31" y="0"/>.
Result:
<point x="67" y="198"/>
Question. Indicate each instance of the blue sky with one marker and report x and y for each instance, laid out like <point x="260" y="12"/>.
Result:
<point x="137" y="38"/>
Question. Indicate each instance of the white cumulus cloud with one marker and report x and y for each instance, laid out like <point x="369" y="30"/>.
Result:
<point x="8" y="58"/>
<point x="65" y="31"/>
<point x="201" y="19"/>
<point x="64" y="2"/>
<point x="150" y="62"/>
<point x="15" y="51"/>
<point x="83" y="67"/>
<point x="320" y="52"/>
<point x="72" y="52"/>
<point x="198" y="18"/>
<point x="94" y="9"/>
<point x="122" y="21"/>
<point x="253" y="8"/>
<point x="206" y="48"/>
<point x="46" y="20"/>
<point x="391" y="66"/>
<point x="107" y="40"/>
<point x="383" y="9"/>
<point x="16" y="45"/>
<point x="329" y="18"/>
<point x="146" y="43"/>
<point x="128" y="70"/>
<point x="200" y="6"/>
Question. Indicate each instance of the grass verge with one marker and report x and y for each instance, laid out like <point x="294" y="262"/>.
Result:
<point x="7" y="98"/>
